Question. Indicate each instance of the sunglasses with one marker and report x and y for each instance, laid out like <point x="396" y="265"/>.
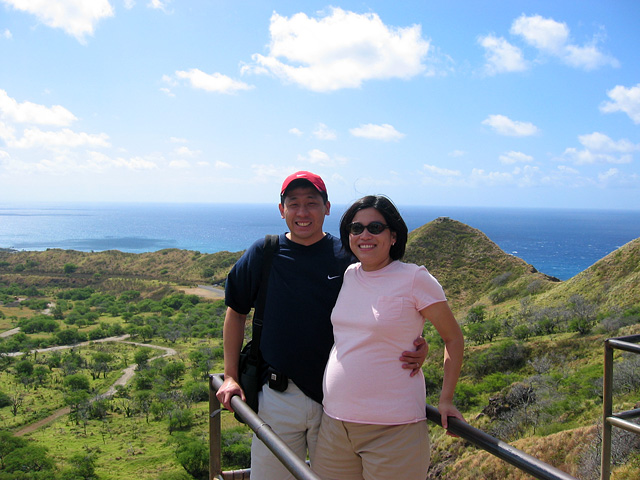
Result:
<point x="374" y="228"/>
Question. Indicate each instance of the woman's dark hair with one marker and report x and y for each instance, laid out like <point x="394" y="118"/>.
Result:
<point x="391" y="216"/>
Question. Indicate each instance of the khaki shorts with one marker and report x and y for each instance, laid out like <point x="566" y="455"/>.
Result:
<point x="356" y="451"/>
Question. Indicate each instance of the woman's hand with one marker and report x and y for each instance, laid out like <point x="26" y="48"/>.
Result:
<point x="448" y="409"/>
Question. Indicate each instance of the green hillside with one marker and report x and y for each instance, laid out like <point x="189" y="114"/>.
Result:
<point x="469" y="265"/>
<point x="532" y="374"/>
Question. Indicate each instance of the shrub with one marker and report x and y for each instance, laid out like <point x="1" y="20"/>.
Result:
<point x="193" y="455"/>
<point x="69" y="268"/>
<point x="196" y="391"/>
<point x="502" y="294"/>
<point x="503" y="357"/>
<point x="236" y="448"/>
<point x="502" y="279"/>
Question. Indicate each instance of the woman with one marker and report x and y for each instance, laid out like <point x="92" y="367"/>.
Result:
<point x="374" y="423"/>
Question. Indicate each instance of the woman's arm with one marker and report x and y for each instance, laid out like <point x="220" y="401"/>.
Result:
<point x="440" y="315"/>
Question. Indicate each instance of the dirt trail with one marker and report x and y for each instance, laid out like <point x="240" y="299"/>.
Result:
<point x="206" y="291"/>
<point x="127" y="374"/>
<point x="8" y="333"/>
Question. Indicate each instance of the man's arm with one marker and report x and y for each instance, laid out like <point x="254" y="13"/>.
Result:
<point x="233" y="335"/>
<point x="413" y="360"/>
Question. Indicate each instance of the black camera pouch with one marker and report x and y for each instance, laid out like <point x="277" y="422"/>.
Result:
<point x="277" y="381"/>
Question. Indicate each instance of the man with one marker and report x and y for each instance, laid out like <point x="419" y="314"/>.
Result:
<point x="304" y="281"/>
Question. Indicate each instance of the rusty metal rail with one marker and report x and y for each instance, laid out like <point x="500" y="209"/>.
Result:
<point x="609" y="419"/>
<point x="301" y="471"/>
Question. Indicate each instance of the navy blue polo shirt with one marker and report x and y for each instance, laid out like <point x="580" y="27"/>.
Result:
<point x="304" y="282"/>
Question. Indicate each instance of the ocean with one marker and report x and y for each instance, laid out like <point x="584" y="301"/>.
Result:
<point x="558" y="242"/>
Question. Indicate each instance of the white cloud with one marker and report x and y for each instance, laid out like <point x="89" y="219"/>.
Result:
<point x="214" y="82"/>
<point x="568" y="170"/>
<point x="444" y="172"/>
<point x="28" y="112"/>
<point x="77" y="18"/>
<point x="179" y="164"/>
<point x="322" y="132"/>
<point x="322" y="159"/>
<point x="159" y="5"/>
<point x="600" y="148"/>
<point x="515" y="157"/>
<point x="505" y="126"/>
<point x="587" y="157"/>
<point x="99" y="162"/>
<point x="66" y="164"/>
<point x="7" y="133"/>
<point x="553" y="38"/>
<point x="7" y="34"/>
<point x="295" y="131"/>
<point x="481" y="177"/>
<point x="601" y="142"/>
<point x="135" y="163"/>
<point x="625" y="100"/>
<point x="608" y="175"/>
<point x="34" y="137"/>
<point x="457" y="153"/>
<point x="543" y="33"/>
<point x="340" y="50"/>
<point x="501" y="56"/>
<point x="221" y="165"/>
<point x="383" y="132"/>
<point x="187" y="152"/>
<point x="167" y="92"/>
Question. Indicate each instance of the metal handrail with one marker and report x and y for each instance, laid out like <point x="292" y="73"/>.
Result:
<point x="609" y="419"/>
<point x="517" y="458"/>
<point x="300" y="470"/>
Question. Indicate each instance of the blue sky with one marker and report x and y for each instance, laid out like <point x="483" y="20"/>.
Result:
<point x="460" y="103"/>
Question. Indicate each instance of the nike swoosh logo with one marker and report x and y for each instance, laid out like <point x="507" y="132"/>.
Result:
<point x="329" y="277"/>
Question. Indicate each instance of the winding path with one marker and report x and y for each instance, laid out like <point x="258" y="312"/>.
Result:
<point x="205" y="291"/>
<point x="127" y="374"/>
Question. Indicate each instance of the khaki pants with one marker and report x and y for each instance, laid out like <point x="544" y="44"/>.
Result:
<point x="296" y="419"/>
<point x="355" y="451"/>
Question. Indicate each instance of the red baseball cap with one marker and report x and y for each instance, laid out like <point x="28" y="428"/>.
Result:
<point x="312" y="178"/>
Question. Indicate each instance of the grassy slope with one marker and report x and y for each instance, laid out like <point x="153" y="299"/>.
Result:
<point x="465" y="261"/>
<point x="171" y="264"/>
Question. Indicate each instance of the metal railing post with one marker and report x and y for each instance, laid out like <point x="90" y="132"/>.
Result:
<point x="215" y="435"/>
<point x="610" y="419"/>
<point x="607" y="410"/>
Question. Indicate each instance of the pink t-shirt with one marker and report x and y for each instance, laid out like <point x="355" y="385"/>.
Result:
<point x="376" y="318"/>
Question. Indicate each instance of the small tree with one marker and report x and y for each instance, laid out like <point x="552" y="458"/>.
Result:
<point x="77" y="382"/>
<point x="69" y="268"/>
<point x="142" y="356"/>
<point x="17" y="399"/>
<point x="584" y="314"/>
<point x="476" y="314"/>
<point x="173" y="371"/>
<point x="83" y="467"/>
